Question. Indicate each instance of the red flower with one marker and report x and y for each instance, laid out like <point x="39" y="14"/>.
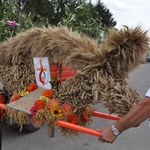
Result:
<point x="85" y="117"/>
<point x="33" y="110"/>
<point x="87" y="108"/>
<point x="73" y="118"/>
<point x="48" y="93"/>
<point x="40" y="104"/>
<point x="32" y="87"/>
<point x="66" y="109"/>
<point x="15" y="97"/>
<point x="58" y="81"/>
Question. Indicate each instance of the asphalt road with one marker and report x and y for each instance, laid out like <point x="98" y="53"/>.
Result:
<point x="133" y="139"/>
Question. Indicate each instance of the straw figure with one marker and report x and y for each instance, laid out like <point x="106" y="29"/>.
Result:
<point x="101" y="69"/>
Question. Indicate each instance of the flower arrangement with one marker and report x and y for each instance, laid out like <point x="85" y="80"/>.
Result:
<point x="49" y="109"/>
<point x="55" y="110"/>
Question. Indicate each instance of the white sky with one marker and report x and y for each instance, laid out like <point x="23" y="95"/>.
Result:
<point x="129" y="12"/>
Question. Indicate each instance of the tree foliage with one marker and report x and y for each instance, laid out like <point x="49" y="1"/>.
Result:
<point x="102" y="13"/>
<point x="80" y="15"/>
<point x="54" y="10"/>
<point x="81" y="19"/>
<point x="85" y="19"/>
<point x="9" y="11"/>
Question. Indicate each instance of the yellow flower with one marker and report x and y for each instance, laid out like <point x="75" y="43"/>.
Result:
<point x="44" y="98"/>
<point x="23" y="93"/>
<point x="56" y="112"/>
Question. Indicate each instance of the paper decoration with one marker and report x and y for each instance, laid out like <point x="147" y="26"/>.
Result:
<point x="42" y="72"/>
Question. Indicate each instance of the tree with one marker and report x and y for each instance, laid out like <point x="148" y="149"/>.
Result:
<point x="77" y="14"/>
<point x="53" y="10"/>
<point x="82" y="20"/>
<point x="14" y="21"/>
<point x="81" y="15"/>
<point x="37" y="8"/>
<point x="102" y="13"/>
<point x="59" y="9"/>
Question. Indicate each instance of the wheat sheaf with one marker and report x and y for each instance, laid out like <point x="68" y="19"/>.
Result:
<point x="102" y="69"/>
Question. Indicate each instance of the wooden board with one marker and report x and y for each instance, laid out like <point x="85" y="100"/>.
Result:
<point x="25" y="103"/>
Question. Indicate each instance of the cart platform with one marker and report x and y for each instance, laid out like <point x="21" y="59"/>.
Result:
<point x="24" y="103"/>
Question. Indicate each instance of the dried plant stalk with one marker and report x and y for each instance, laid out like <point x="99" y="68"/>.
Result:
<point x="102" y="69"/>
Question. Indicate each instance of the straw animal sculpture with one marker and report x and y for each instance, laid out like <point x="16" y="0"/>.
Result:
<point x="102" y="69"/>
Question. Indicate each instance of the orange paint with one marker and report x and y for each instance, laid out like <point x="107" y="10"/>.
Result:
<point x="106" y="116"/>
<point x="77" y="128"/>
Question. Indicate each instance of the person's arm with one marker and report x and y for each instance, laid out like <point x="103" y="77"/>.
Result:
<point x="134" y="117"/>
<point x="137" y="115"/>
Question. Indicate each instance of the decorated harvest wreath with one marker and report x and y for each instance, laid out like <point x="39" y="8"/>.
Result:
<point x="101" y="73"/>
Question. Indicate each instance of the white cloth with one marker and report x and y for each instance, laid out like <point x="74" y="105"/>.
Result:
<point x="148" y="93"/>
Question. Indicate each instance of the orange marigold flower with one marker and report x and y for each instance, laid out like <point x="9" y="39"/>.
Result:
<point x="73" y="118"/>
<point x="85" y="117"/>
<point x="53" y="104"/>
<point x="40" y="104"/>
<point x="48" y="93"/>
<point x="32" y="87"/>
<point x="66" y="109"/>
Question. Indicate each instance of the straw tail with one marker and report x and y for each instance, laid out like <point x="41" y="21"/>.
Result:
<point x="120" y="53"/>
<point x="57" y="43"/>
<point x="125" y="49"/>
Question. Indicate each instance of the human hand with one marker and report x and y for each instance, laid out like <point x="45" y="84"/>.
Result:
<point x="106" y="135"/>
